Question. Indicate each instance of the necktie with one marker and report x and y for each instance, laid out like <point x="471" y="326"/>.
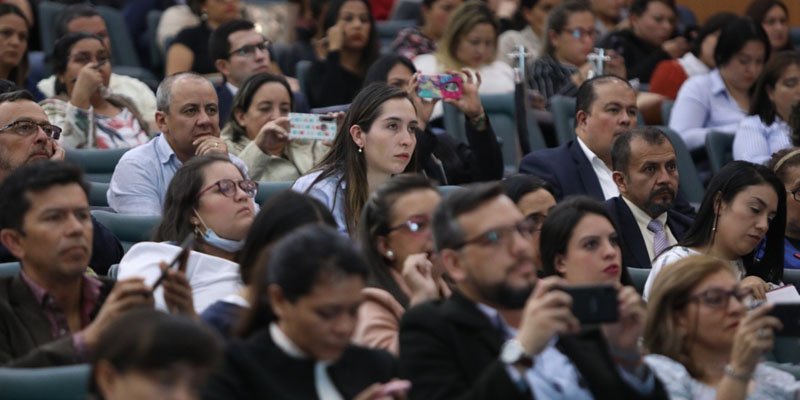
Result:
<point x="660" y="242"/>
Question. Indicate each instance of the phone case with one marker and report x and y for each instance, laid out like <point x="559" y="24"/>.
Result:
<point x="311" y="126"/>
<point x="442" y="86"/>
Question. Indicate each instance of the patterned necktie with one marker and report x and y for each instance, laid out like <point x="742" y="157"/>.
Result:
<point x="660" y="242"/>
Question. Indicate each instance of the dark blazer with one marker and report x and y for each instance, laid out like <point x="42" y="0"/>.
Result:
<point x="449" y="350"/>
<point x="634" y="251"/>
<point x="567" y="170"/>
<point x="453" y="163"/>
<point x="25" y="334"/>
<point x="256" y="368"/>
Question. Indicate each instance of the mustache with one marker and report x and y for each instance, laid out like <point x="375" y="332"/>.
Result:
<point x="664" y="190"/>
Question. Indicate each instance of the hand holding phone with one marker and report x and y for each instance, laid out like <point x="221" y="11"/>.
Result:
<point x="593" y="304"/>
<point x="440" y="86"/>
<point x="179" y="261"/>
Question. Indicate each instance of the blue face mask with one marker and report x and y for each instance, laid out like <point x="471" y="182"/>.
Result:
<point x="211" y="238"/>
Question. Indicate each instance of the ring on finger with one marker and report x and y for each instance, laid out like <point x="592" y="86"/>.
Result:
<point x="761" y="333"/>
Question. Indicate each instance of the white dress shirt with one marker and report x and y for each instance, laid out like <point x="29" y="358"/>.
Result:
<point x="322" y="381"/>
<point x="231" y="88"/>
<point x="756" y="142"/>
<point x="642" y="219"/>
<point x="601" y="170"/>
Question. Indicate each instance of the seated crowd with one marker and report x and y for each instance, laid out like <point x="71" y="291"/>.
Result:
<point x="403" y="257"/>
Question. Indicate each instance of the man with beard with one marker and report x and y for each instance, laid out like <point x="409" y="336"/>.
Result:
<point x="498" y="336"/>
<point x="646" y="173"/>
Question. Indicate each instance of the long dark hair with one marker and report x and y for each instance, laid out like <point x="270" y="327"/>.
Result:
<point x="518" y="185"/>
<point x="758" y="9"/>
<point x="60" y="56"/>
<point x="20" y="72"/>
<point x="372" y="49"/>
<point x="733" y="178"/>
<point x="344" y="158"/>
<point x="297" y="263"/>
<point x="244" y="98"/>
<point x="376" y="218"/>
<point x="760" y="104"/>
<point x="559" y="226"/>
<point x="735" y="35"/>
<point x="379" y="70"/>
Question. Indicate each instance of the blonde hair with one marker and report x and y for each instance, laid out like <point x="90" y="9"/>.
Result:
<point x="668" y="299"/>
<point x="465" y="18"/>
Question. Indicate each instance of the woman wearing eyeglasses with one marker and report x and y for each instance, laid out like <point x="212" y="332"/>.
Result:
<point x="397" y="241"/>
<point x="210" y="198"/>
<point x="90" y="116"/>
<point x="786" y="165"/>
<point x="703" y="342"/>
<point x="534" y="199"/>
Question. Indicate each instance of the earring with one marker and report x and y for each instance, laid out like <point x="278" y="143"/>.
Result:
<point x="390" y="254"/>
<point x="204" y="16"/>
<point x="360" y="150"/>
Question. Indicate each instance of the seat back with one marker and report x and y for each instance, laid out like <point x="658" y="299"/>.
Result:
<point x="387" y="31"/>
<point x="97" y="194"/>
<point x="269" y="189"/>
<point x="69" y="382"/>
<point x="666" y="110"/>
<point x="302" y="69"/>
<point x="129" y="229"/>
<point x="123" y="52"/>
<point x="445" y="189"/>
<point x="794" y="34"/>
<point x="156" y="54"/>
<point x="791" y="276"/>
<point x="9" y="269"/>
<point x="639" y="277"/>
<point x="97" y="164"/>
<point x="48" y="11"/>
<point x="689" y="183"/>
<point x="563" y="109"/>
<point x="407" y="9"/>
<point x="719" y="147"/>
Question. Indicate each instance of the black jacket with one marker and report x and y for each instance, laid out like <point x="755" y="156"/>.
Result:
<point x="479" y="160"/>
<point x="641" y="59"/>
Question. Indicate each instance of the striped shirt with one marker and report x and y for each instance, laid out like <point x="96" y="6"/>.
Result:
<point x="551" y="77"/>
<point x="756" y="142"/>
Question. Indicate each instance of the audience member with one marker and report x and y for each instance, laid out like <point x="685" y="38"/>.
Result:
<point x="27" y="136"/>
<point x="774" y="18"/>
<point x="84" y="17"/>
<point x="296" y="338"/>
<point x="90" y="116"/>
<point x="533" y="36"/>
<point x="189" y="50"/>
<point x="280" y="214"/>
<point x="606" y="107"/>
<point x="534" y="199"/>
<point x="435" y="14"/>
<point x="396" y="239"/>
<point x="647" y="42"/>
<point x="441" y="157"/>
<point x="52" y="313"/>
<point x="776" y="91"/>
<point x="187" y="116"/>
<point x="258" y="131"/>
<point x="670" y="74"/>
<point x="563" y="66"/>
<point x="718" y="100"/>
<point x="646" y="173"/>
<point x="470" y="41"/>
<point x="309" y="41"/>
<point x="376" y="140"/>
<point x="352" y="46"/>
<point x="455" y="348"/>
<point x="704" y="341"/>
<point x="741" y="220"/>
<point x="147" y="354"/>
<point x="210" y="198"/>
<point x="608" y="15"/>
<point x="785" y="164"/>
<point x="14" y="44"/>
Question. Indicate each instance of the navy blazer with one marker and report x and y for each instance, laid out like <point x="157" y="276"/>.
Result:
<point x="567" y="170"/>
<point x="634" y="250"/>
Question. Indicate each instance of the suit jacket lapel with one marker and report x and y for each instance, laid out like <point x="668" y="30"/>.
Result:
<point x="465" y="312"/>
<point x="591" y="185"/>
<point x="632" y="235"/>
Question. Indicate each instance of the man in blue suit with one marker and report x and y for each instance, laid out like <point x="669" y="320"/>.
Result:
<point x="605" y="107"/>
<point x="646" y="173"/>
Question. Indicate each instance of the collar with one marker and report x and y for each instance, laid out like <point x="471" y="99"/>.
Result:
<point x="231" y="88"/>
<point x="90" y="288"/>
<point x="717" y="84"/>
<point x="593" y="158"/>
<point x="284" y="343"/>
<point x="164" y="151"/>
<point x="641" y="216"/>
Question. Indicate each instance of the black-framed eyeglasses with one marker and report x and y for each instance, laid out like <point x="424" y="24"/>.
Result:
<point x="578" y="33"/>
<point x="249" y="50"/>
<point x="228" y="187"/>
<point x="502" y="235"/>
<point x="794" y="194"/>
<point x="26" y="127"/>
<point x="717" y="297"/>
<point x="417" y="225"/>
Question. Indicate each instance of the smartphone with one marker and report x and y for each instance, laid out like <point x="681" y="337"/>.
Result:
<point x="395" y="387"/>
<point x="312" y="126"/>
<point x="180" y="259"/>
<point x="440" y="86"/>
<point x="593" y="304"/>
<point x="789" y="314"/>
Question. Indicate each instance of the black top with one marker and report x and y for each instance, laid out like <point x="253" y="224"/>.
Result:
<point x="223" y="316"/>
<point x="329" y="84"/>
<point x="196" y="38"/>
<point x="641" y="58"/>
<point x="551" y="77"/>
<point x="477" y="161"/>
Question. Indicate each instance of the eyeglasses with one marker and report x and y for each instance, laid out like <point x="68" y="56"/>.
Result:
<point x="794" y="194"/>
<point x="416" y="225"/>
<point x="84" y="58"/>
<point x="228" y="187"/>
<point x="578" y="33"/>
<point x="25" y="128"/>
<point x="718" y="297"/>
<point x="249" y="50"/>
<point x="502" y="235"/>
<point x="537" y="219"/>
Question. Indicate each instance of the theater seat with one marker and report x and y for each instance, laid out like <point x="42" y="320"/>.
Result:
<point x="9" y="269"/>
<point x="445" y="189"/>
<point x="689" y="183"/>
<point x="269" y="189"/>
<point x="302" y="69"/>
<point x="69" y="382"/>
<point x="97" y="164"/>
<point x="97" y="194"/>
<point x="639" y="277"/>
<point x="719" y="147"/>
<point x="129" y="229"/>
<point x="563" y="109"/>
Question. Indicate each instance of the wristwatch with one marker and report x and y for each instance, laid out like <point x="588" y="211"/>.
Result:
<point x="514" y="353"/>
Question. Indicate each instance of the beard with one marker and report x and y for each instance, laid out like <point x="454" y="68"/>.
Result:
<point x="503" y="295"/>
<point x="654" y="208"/>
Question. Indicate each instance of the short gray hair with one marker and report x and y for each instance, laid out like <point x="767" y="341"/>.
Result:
<point x="164" y="92"/>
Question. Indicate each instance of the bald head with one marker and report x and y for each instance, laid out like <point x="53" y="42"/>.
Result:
<point x="164" y="94"/>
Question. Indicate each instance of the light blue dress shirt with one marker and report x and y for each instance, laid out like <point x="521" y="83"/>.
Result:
<point x="330" y="191"/>
<point x="142" y="176"/>
<point x="755" y="142"/>
<point x="703" y="105"/>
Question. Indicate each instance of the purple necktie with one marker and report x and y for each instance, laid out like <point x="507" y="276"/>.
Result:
<point x="660" y="242"/>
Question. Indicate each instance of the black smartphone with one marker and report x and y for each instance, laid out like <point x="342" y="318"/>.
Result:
<point x="183" y="255"/>
<point x="789" y="314"/>
<point x="593" y="304"/>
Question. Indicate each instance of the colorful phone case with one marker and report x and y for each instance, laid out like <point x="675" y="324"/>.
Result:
<point x="311" y="126"/>
<point x="442" y="86"/>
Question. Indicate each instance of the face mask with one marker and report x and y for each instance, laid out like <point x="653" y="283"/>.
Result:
<point x="211" y="237"/>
